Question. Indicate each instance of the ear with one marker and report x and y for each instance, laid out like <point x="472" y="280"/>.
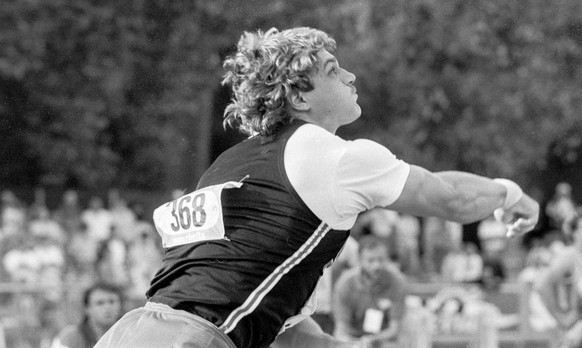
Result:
<point x="297" y="101"/>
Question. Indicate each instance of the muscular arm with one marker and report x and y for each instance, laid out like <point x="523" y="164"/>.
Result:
<point x="458" y="196"/>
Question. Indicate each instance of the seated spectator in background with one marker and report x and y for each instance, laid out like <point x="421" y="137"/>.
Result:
<point x="122" y="217"/>
<point x="560" y="286"/>
<point x="111" y="264"/>
<point x="82" y="254"/>
<point x="537" y="260"/>
<point x="369" y="299"/>
<point x="494" y="274"/>
<point x="407" y="238"/>
<point x="439" y="237"/>
<point x="463" y="264"/>
<point x="43" y="225"/>
<point x="102" y="308"/>
<point x="144" y="254"/>
<point x="561" y="207"/>
<point x="377" y="221"/>
<point x="492" y="236"/>
<point x="474" y="270"/>
<point x="97" y="219"/>
<point x="68" y="214"/>
<point x="12" y="214"/>
<point x="21" y="262"/>
<point x="454" y="265"/>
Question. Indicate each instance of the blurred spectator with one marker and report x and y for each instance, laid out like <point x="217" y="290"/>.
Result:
<point x="474" y="270"/>
<point x="439" y="237"/>
<point x="560" y="286"/>
<point x="381" y="223"/>
<point x="97" y="219"/>
<point x="144" y="253"/>
<point x="12" y="226"/>
<point x="537" y="260"/>
<point x="68" y="214"/>
<point x="51" y="263"/>
<point x="111" y="262"/>
<point x="494" y="274"/>
<point x="38" y="260"/>
<point x="369" y="299"/>
<point x="122" y="217"/>
<point x="492" y="236"/>
<point x="407" y="237"/>
<point x="463" y="264"/>
<point x="454" y="265"/>
<point x="82" y="254"/>
<point x="43" y="225"/>
<point x="12" y="214"/>
<point x="561" y="206"/>
<point x="347" y="259"/>
<point x="102" y="308"/>
<point x="22" y="262"/>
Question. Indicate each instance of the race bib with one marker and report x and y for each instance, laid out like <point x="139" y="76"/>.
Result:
<point x="192" y="218"/>
<point x="373" y="320"/>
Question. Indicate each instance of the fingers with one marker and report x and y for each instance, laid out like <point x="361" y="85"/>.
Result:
<point x="515" y="227"/>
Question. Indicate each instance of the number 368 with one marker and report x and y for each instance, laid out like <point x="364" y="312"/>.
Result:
<point x="188" y="210"/>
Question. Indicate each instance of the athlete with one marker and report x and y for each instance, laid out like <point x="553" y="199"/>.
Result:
<point x="245" y="250"/>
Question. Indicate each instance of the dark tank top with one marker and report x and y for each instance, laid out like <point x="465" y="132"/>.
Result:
<point x="274" y="251"/>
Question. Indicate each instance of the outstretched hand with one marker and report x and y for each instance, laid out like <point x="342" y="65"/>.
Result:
<point x="520" y="218"/>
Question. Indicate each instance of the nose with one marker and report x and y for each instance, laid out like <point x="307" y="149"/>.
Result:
<point x="349" y="78"/>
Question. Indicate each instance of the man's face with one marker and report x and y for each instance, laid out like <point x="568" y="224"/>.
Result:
<point x="373" y="261"/>
<point x="104" y="307"/>
<point x="334" y="98"/>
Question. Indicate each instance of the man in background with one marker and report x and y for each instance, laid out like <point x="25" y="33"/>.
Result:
<point x="369" y="299"/>
<point x="102" y="308"/>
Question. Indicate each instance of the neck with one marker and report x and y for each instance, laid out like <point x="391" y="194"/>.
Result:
<point x="329" y="126"/>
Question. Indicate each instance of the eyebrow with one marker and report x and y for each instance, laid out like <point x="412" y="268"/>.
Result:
<point x="329" y="61"/>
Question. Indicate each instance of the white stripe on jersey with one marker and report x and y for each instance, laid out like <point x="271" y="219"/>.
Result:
<point x="269" y="283"/>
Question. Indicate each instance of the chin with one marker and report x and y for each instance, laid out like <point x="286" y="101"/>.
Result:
<point x="357" y="114"/>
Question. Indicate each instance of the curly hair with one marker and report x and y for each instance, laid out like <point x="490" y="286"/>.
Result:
<point x="263" y="73"/>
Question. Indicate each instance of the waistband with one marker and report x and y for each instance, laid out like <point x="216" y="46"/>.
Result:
<point x="160" y="307"/>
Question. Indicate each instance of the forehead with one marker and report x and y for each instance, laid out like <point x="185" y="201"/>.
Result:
<point x="323" y="57"/>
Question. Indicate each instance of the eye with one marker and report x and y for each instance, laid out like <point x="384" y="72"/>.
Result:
<point x="333" y="71"/>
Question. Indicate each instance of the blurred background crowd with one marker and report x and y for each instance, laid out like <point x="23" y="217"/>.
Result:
<point x="108" y="109"/>
<point x="49" y="257"/>
<point x="54" y="255"/>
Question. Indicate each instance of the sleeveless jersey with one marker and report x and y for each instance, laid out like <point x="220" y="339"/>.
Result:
<point x="252" y="282"/>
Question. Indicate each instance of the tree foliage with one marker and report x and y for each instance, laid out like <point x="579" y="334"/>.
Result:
<point x="101" y="93"/>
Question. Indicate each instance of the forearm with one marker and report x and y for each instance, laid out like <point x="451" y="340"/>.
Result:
<point x="472" y="197"/>
<point x="454" y="196"/>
